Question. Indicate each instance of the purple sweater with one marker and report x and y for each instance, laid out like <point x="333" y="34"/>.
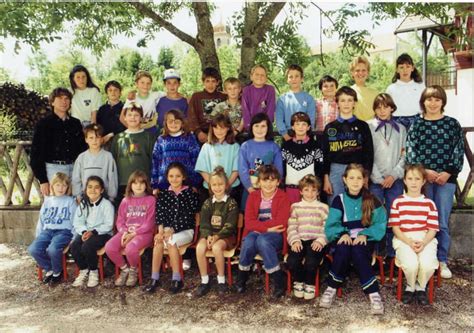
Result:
<point x="256" y="100"/>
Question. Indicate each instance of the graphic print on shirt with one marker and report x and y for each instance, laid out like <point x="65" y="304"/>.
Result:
<point x="55" y="215"/>
<point x="299" y="163"/>
<point x="87" y="102"/>
<point x="345" y="141"/>
<point x="128" y="148"/>
<point x="135" y="212"/>
<point x="208" y="105"/>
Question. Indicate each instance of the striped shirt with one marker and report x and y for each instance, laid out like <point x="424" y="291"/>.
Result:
<point x="265" y="209"/>
<point x="413" y="214"/>
<point x="306" y="221"/>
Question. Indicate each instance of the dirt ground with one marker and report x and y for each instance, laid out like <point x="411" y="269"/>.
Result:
<point x="28" y="306"/>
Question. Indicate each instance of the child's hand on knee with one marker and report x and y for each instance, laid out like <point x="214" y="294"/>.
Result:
<point x="296" y="247"/>
<point x="360" y="240"/>
<point x="345" y="239"/>
<point x="158" y="239"/>
<point x="316" y="246"/>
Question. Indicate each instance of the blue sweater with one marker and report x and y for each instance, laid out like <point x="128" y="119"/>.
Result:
<point x="183" y="149"/>
<point x="345" y="217"/>
<point x="98" y="218"/>
<point x="254" y="154"/>
<point x="56" y="213"/>
<point x="290" y="103"/>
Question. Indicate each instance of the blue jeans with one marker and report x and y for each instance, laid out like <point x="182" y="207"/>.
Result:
<point x="267" y="245"/>
<point x="52" y="169"/>
<point x="386" y="196"/>
<point x="47" y="249"/>
<point x="442" y="195"/>
<point x="335" y="177"/>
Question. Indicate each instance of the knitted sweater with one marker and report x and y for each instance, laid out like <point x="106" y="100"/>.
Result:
<point x="280" y="212"/>
<point x="177" y="211"/>
<point x="307" y="221"/>
<point x="97" y="217"/>
<point x="101" y="164"/>
<point x="136" y="214"/>
<point x="301" y="158"/>
<point x="389" y="151"/>
<point x="437" y="144"/>
<point x="219" y="218"/>
<point x="345" y="217"/>
<point x="256" y="100"/>
<point x="183" y="149"/>
<point x="413" y="214"/>
<point x="56" y="213"/>
<point x="348" y="141"/>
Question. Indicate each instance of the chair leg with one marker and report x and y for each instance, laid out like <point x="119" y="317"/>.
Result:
<point x="382" y="272"/>
<point x="288" y="282"/>
<point x="431" y="290"/>
<point x="399" y="284"/>
<point x="339" y="292"/>
<point x="116" y="272"/>
<point x="229" y="273"/>
<point x="316" y="284"/>
<point x="140" y="271"/>
<point x="101" y="269"/>
<point x="40" y="273"/>
<point x="392" y="264"/>
<point x="181" y="271"/>
<point x="76" y="270"/>
<point x="267" y="283"/>
<point x="64" y="267"/>
<point x="438" y="276"/>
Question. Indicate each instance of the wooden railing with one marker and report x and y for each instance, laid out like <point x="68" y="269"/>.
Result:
<point x="13" y="182"/>
<point x="23" y="185"/>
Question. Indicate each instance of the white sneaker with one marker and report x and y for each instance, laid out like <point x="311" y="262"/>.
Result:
<point x="81" y="278"/>
<point x="327" y="298"/>
<point x="376" y="304"/>
<point x="186" y="264"/>
<point x="93" y="279"/>
<point x="309" y="292"/>
<point x="298" y="289"/>
<point x="445" y="271"/>
<point x="132" y="277"/>
<point x="122" y="278"/>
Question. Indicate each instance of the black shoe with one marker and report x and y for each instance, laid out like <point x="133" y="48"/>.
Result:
<point x="421" y="297"/>
<point x="55" y="279"/>
<point x="408" y="297"/>
<point x="222" y="288"/>
<point x="241" y="285"/>
<point x="47" y="278"/>
<point x="202" y="289"/>
<point x="152" y="286"/>
<point x="278" y="283"/>
<point x="176" y="286"/>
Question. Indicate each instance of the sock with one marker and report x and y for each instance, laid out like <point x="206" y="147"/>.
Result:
<point x="176" y="276"/>
<point x="155" y="275"/>
<point x="49" y="273"/>
<point x="331" y="289"/>
<point x="204" y="279"/>
<point x="94" y="271"/>
<point x="56" y="274"/>
<point x="84" y="271"/>
<point x="418" y="287"/>
<point x="220" y="279"/>
<point x="123" y="267"/>
<point x="374" y="294"/>
<point x="410" y="289"/>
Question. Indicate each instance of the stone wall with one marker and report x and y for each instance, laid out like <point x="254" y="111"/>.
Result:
<point x="18" y="226"/>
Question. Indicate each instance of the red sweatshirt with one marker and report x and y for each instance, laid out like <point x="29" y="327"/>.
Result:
<point x="280" y="212"/>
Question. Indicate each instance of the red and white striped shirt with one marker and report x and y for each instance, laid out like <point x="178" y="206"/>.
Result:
<point x="413" y="214"/>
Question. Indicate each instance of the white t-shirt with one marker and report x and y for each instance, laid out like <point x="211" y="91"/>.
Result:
<point x="149" y="107"/>
<point x="406" y="96"/>
<point x="84" y="102"/>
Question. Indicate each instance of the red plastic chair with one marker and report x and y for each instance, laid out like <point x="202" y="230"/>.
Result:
<point x="64" y="264"/>
<point x="431" y="284"/>
<point x="139" y="268"/>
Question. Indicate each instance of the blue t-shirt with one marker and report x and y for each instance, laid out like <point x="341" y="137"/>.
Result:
<point x="290" y="103"/>
<point x="165" y="104"/>
<point x="226" y="155"/>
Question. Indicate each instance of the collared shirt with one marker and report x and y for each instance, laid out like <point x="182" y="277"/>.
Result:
<point x="55" y="139"/>
<point x="170" y="188"/>
<point x="326" y="112"/>
<point x="224" y="199"/>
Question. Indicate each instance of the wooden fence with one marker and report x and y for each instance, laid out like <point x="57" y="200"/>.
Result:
<point x="23" y="185"/>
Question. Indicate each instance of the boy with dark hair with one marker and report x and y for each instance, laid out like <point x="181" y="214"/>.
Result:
<point x="326" y="106"/>
<point x="108" y="115"/>
<point x="202" y="103"/>
<point x="57" y="141"/>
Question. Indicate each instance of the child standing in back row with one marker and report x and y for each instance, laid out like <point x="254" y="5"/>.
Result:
<point x="108" y="115"/>
<point x="326" y="107"/>
<point x="86" y="98"/>
<point x="231" y="107"/>
<point x="360" y="70"/>
<point x="293" y="101"/>
<point x="414" y="220"/>
<point x="258" y="97"/>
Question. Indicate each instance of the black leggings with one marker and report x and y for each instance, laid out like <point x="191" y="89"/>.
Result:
<point x="85" y="253"/>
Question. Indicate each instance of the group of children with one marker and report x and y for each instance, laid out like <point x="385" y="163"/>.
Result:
<point x="216" y="159"/>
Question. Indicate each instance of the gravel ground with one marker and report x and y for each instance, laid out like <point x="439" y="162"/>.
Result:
<point x="28" y="306"/>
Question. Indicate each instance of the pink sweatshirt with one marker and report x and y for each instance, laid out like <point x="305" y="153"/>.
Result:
<point x="136" y="214"/>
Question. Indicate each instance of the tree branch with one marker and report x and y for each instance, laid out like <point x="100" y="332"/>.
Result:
<point x="150" y="13"/>
<point x="267" y="19"/>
